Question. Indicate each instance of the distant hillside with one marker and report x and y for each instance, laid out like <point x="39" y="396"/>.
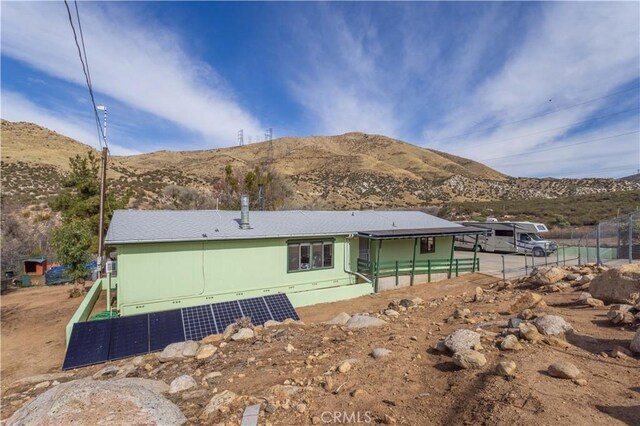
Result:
<point x="354" y="170"/>
<point x="632" y="178"/>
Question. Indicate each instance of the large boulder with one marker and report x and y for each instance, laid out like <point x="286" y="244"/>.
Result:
<point x="462" y="340"/>
<point x="619" y="285"/>
<point x="469" y="360"/>
<point x="110" y="402"/>
<point x="635" y="342"/>
<point x="546" y="275"/>
<point x="526" y="301"/>
<point x="552" y="325"/>
<point x="178" y="351"/>
<point x="364" y="321"/>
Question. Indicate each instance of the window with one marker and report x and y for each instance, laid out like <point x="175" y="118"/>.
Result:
<point x="305" y="256"/>
<point x="427" y="245"/>
<point x="503" y="233"/>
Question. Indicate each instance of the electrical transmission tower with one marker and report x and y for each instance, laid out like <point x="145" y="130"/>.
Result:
<point x="241" y="137"/>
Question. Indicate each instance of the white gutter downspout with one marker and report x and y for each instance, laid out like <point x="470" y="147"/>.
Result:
<point x="347" y="255"/>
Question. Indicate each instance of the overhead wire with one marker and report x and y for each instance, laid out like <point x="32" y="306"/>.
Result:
<point x="562" y="146"/>
<point x="537" y="115"/>
<point x="85" y="69"/>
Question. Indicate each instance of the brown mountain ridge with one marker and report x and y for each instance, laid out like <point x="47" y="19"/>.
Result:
<point x="353" y="170"/>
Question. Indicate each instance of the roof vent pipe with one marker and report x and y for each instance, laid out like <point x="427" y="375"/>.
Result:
<point x="244" y="212"/>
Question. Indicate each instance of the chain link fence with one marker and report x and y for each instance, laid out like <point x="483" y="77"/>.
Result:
<point x="611" y="242"/>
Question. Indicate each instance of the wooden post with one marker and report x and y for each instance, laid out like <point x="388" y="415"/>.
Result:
<point x="429" y="269"/>
<point x="451" y="259"/>
<point x="457" y="268"/>
<point x="413" y="261"/>
<point x="475" y="254"/>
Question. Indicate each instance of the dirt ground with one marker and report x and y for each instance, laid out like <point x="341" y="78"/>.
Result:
<point x="414" y="385"/>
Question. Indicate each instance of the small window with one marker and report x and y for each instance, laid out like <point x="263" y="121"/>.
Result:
<point x="427" y="245"/>
<point x="503" y="233"/>
<point x="305" y="256"/>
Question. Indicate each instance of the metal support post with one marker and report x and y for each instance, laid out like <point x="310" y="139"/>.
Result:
<point x="630" y="238"/>
<point x="504" y="272"/>
<point x="475" y="254"/>
<point x="598" y="255"/>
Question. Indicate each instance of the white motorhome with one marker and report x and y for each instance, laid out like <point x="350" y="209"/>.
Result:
<point x="509" y="237"/>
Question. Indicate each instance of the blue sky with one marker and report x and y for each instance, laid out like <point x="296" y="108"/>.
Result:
<point x="531" y="89"/>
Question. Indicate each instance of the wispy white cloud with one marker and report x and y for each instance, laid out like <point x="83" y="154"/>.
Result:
<point x="15" y="107"/>
<point x="132" y="60"/>
<point x="577" y="51"/>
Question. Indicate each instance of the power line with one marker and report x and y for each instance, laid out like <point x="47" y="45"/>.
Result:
<point x="563" y="146"/>
<point x="537" y="115"/>
<point x="561" y="127"/>
<point x="85" y="69"/>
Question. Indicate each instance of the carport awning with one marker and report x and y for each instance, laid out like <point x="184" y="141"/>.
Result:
<point x="393" y="234"/>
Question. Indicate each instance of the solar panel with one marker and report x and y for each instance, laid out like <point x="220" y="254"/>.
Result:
<point x="280" y="307"/>
<point x="129" y="336"/>
<point x="198" y="322"/>
<point x="226" y="313"/>
<point x="256" y="309"/>
<point x="89" y="344"/>
<point x="165" y="328"/>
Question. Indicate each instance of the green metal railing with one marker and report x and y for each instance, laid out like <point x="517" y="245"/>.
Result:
<point x="428" y="267"/>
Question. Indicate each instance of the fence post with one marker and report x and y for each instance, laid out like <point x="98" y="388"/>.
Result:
<point x="533" y="262"/>
<point x="428" y="270"/>
<point x="546" y="259"/>
<point x="557" y="257"/>
<point x="564" y="257"/>
<point x="396" y="273"/>
<point x="526" y="266"/>
<point x="504" y="273"/>
<point x="457" y="267"/>
<point x="630" y="238"/>
<point x="598" y="256"/>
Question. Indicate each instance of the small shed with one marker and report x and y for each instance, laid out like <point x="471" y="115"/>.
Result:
<point x="35" y="266"/>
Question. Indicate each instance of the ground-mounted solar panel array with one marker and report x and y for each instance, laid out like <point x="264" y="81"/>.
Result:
<point x="93" y="342"/>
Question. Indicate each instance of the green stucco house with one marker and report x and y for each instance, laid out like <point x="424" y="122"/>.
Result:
<point x="174" y="259"/>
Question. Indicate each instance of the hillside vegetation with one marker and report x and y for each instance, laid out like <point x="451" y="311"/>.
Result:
<point x="581" y="210"/>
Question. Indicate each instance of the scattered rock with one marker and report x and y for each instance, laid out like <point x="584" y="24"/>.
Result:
<point x="89" y="401"/>
<point x="469" y="359"/>
<point x="529" y="332"/>
<point x="206" y="351"/>
<point x="620" y="352"/>
<point x="392" y="313"/>
<point x="301" y="408"/>
<point x="364" y="321"/>
<point x="635" y="342"/>
<point x="572" y="277"/>
<point x="461" y="340"/>
<point x="195" y="394"/>
<point x="441" y="347"/>
<point x="584" y="296"/>
<point x="619" y="315"/>
<point x="552" y="325"/>
<point x="595" y="303"/>
<point x="461" y="313"/>
<point x="619" y="285"/>
<point x="218" y="402"/>
<point x="417" y="301"/>
<point x="527" y="314"/>
<point x="32" y="380"/>
<point x="380" y="353"/>
<point x="228" y="331"/>
<point x="506" y="368"/>
<point x="106" y="372"/>
<point x="285" y="391"/>
<point x="580" y="382"/>
<point x="178" y="351"/>
<point x="181" y="383"/>
<point x="563" y="370"/>
<point x="547" y="275"/>
<point x="344" y="367"/>
<point x="479" y="295"/>
<point x="211" y="375"/>
<point x="514" y="322"/>
<point x="340" y="319"/>
<point x="510" y="343"/>
<point x="556" y="342"/>
<point x="271" y="323"/>
<point x="243" y="334"/>
<point x="407" y="303"/>
<point x="526" y="301"/>
<point x="212" y="338"/>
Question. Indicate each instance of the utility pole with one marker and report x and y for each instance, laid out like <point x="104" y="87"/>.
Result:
<point x="103" y="179"/>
